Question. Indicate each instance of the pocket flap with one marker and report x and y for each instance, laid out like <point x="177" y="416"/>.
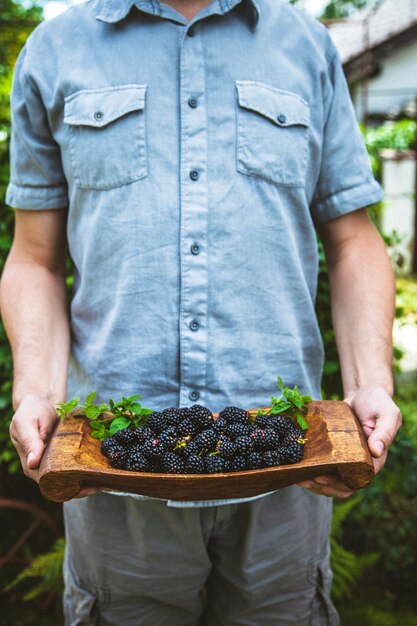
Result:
<point x="99" y="107"/>
<point x="281" y="107"/>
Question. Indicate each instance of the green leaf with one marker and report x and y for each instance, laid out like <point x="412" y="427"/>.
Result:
<point x="92" y="412"/>
<point x="132" y="399"/>
<point x="146" y="412"/>
<point x="302" y="422"/>
<point x="63" y="408"/>
<point x="119" y="424"/>
<point x="89" y="399"/>
<point x="136" y="408"/>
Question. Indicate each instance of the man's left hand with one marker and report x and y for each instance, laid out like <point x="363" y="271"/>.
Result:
<point x="380" y="419"/>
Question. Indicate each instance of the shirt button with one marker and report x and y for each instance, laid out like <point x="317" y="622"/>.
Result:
<point x="194" y="395"/>
<point x="193" y="102"/>
<point x="194" y="175"/>
<point x="191" y="32"/>
<point x="194" y="325"/>
<point x="195" y="249"/>
<point x="98" y="115"/>
<point x="282" y="118"/>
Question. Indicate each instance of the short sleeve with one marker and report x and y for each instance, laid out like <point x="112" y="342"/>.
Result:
<point x="37" y="180"/>
<point x="346" y="182"/>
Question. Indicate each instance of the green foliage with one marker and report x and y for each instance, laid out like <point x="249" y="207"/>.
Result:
<point x="47" y="569"/>
<point x="107" y="419"/>
<point x="336" y="9"/>
<point x="386" y="517"/>
<point x="399" y="135"/>
<point x="348" y="567"/>
<point x="292" y="403"/>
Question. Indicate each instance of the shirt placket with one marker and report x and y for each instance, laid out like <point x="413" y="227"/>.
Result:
<point x="193" y="219"/>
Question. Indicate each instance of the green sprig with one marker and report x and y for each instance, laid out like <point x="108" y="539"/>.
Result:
<point x="107" y="419"/>
<point x="292" y="403"/>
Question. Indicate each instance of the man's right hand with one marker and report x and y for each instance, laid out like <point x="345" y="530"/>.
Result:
<point x="30" y="431"/>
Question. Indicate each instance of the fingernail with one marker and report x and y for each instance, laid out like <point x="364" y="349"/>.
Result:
<point x="30" y="457"/>
<point x="379" y="447"/>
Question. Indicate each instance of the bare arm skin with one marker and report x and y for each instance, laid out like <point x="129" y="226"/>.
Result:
<point x="363" y="295"/>
<point x="34" y="311"/>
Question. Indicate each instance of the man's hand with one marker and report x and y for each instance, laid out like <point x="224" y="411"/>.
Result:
<point x="380" y="419"/>
<point x="30" y="430"/>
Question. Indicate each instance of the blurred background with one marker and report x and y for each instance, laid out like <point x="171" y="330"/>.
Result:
<point x="374" y="538"/>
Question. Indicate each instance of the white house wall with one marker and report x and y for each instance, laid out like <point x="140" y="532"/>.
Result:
<point x="394" y="87"/>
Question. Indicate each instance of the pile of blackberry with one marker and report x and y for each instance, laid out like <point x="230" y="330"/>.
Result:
<point x="190" y="441"/>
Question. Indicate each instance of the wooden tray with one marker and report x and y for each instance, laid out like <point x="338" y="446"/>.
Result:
<point x="335" y="444"/>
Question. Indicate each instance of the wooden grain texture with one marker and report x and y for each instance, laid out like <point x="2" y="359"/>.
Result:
<point x="335" y="444"/>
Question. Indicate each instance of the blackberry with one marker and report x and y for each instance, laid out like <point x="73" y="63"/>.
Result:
<point x="237" y="429"/>
<point x="295" y="435"/>
<point x="265" y="439"/>
<point x="202" y="416"/>
<point x="194" y="465"/>
<point x="214" y="464"/>
<point x="172" y="463"/>
<point x="172" y="416"/>
<point x="141" y="434"/>
<point x="233" y="414"/>
<point x="254" y="460"/>
<point x="238" y="464"/>
<point x="152" y="449"/>
<point x="137" y="463"/>
<point x="184" y="412"/>
<point x="262" y="421"/>
<point x="281" y="424"/>
<point x="125" y="436"/>
<point x="244" y="444"/>
<point x="117" y="456"/>
<point x="190" y="449"/>
<point x="156" y="422"/>
<point x="220" y="425"/>
<point x="168" y="438"/>
<point x="271" y="458"/>
<point x="206" y="440"/>
<point x="292" y="453"/>
<point x="187" y="427"/>
<point x="108" y="444"/>
<point x="227" y="448"/>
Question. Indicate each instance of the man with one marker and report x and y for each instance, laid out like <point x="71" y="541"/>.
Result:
<point x="186" y="151"/>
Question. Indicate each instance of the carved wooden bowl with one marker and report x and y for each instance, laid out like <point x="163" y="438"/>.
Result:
<point x="335" y="445"/>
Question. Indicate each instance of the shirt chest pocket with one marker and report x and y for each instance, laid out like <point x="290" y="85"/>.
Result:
<point x="107" y="136"/>
<point x="272" y="134"/>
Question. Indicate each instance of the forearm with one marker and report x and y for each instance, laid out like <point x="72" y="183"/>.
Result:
<point x="363" y="302"/>
<point x="34" y="311"/>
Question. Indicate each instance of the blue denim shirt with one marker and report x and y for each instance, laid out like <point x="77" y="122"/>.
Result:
<point x="195" y="159"/>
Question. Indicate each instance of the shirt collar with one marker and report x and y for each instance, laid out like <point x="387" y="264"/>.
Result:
<point x="113" y="11"/>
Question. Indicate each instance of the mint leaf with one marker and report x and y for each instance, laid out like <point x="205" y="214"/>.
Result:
<point x="93" y="412"/>
<point x="63" y="408"/>
<point x="136" y="409"/>
<point x="118" y="424"/>
<point x="292" y="403"/>
<point x="89" y="399"/>
<point x="302" y="422"/>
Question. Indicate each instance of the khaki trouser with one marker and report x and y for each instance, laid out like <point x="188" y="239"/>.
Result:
<point x="142" y="563"/>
